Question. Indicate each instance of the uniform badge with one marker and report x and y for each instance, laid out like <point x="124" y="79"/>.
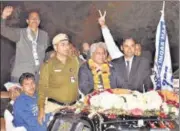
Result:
<point x="72" y="79"/>
<point x="57" y="70"/>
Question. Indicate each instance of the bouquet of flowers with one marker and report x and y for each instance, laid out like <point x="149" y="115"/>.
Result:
<point x="122" y="101"/>
<point x="170" y="103"/>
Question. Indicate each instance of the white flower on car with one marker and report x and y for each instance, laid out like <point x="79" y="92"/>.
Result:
<point x="153" y="100"/>
<point x="119" y="103"/>
<point x="132" y="102"/>
<point x="175" y="110"/>
<point x="165" y="107"/>
<point x="107" y="100"/>
<point x="144" y="101"/>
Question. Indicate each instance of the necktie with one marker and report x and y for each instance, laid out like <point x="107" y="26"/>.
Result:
<point x="127" y="68"/>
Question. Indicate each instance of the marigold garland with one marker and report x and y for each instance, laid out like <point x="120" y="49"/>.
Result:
<point x="104" y="72"/>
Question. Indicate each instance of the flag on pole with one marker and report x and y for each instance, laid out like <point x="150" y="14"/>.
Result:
<point x="163" y="78"/>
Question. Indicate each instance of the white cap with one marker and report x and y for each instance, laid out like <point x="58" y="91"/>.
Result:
<point x="60" y="37"/>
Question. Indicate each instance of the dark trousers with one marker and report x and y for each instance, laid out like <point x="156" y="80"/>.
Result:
<point x="4" y="105"/>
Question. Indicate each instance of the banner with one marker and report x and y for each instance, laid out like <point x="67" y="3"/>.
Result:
<point x="163" y="78"/>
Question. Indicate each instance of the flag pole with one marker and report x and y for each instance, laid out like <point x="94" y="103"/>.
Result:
<point x="162" y="11"/>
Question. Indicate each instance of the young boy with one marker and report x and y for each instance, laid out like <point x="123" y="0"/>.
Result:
<point x="25" y="107"/>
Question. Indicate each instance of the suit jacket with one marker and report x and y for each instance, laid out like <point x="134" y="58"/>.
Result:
<point x="24" y="60"/>
<point x="86" y="56"/>
<point x="86" y="83"/>
<point x="139" y="74"/>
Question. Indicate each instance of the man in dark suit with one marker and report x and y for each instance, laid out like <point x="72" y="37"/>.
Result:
<point x="133" y="71"/>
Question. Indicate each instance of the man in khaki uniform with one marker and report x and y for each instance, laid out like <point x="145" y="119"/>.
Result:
<point x="58" y="78"/>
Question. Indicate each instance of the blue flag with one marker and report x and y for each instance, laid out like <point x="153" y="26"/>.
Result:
<point x="163" y="78"/>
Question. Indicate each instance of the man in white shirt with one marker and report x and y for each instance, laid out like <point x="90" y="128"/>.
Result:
<point x="134" y="71"/>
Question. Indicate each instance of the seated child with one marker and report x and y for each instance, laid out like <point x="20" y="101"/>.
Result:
<point x="25" y="107"/>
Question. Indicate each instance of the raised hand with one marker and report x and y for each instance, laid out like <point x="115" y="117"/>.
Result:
<point x="7" y="12"/>
<point x="101" y="19"/>
<point x="14" y="92"/>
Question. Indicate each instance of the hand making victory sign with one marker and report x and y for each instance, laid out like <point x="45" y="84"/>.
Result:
<point x="101" y="19"/>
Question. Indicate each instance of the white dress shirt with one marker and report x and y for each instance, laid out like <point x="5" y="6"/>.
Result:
<point x="113" y="50"/>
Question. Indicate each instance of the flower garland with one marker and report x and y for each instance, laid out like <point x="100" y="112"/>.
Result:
<point x="104" y="72"/>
